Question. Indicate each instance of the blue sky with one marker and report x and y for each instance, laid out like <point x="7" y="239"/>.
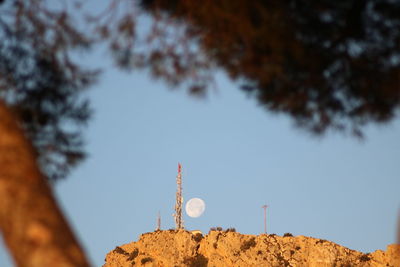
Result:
<point x="236" y="157"/>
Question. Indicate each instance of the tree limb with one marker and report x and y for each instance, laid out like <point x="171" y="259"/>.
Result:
<point x="32" y="224"/>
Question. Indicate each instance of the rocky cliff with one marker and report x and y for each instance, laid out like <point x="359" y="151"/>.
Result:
<point x="228" y="248"/>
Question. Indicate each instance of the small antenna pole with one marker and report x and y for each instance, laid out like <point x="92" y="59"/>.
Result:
<point x="265" y="218"/>
<point x="158" y="222"/>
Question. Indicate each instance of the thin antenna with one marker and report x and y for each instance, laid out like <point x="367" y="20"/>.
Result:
<point x="179" y="200"/>
<point x="158" y="222"/>
<point x="398" y="229"/>
<point x="265" y="218"/>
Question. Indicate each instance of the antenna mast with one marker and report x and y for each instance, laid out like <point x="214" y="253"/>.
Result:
<point x="158" y="222"/>
<point x="179" y="200"/>
<point x="265" y="218"/>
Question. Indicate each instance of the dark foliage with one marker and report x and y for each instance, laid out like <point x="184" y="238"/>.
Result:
<point x="327" y="64"/>
<point x="365" y="257"/>
<point x="198" y="261"/>
<point x="147" y="259"/>
<point x="120" y="250"/>
<point x="133" y="255"/>
<point x="41" y="83"/>
<point x="287" y="235"/>
<point x="282" y="260"/>
<point x="165" y="47"/>
<point x="198" y="237"/>
<point x="248" y="244"/>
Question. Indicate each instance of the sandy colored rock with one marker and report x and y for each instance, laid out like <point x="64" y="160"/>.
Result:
<point x="222" y="248"/>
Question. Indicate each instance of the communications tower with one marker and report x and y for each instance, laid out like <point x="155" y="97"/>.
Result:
<point x="179" y="200"/>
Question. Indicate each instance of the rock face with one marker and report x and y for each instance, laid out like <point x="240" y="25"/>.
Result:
<point x="223" y="248"/>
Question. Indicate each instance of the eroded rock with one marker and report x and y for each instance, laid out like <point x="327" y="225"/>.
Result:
<point x="220" y="248"/>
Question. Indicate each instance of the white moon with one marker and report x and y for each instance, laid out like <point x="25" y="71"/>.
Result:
<point x="195" y="207"/>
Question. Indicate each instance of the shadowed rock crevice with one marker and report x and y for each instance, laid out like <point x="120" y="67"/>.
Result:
<point x="197" y="261"/>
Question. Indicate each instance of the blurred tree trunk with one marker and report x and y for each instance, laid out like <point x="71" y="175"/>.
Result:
<point x="33" y="227"/>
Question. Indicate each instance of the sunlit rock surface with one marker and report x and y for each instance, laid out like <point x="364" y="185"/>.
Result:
<point x="221" y="248"/>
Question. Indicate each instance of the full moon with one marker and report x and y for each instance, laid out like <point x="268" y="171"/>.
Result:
<point x="195" y="207"/>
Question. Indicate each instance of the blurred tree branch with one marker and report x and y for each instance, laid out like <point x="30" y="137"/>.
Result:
<point x="328" y="65"/>
<point x="32" y="225"/>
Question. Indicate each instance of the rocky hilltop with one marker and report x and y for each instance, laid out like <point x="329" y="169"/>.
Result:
<point x="228" y="248"/>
